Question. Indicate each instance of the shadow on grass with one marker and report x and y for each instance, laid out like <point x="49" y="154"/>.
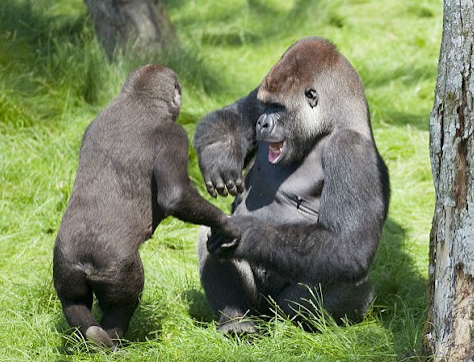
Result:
<point x="420" y="121"/>
<point x="199" y="308"/>
<point x="146" y="323"/>
<point x="57" y="50"/>
<point x="394" y="272"/>
<point x="408" y="77"/>
<point x="28" y="33"/>
<point x="401" y="290"/>
<point x="267" y="21"/>
<point x="64" y="59"/>
<point x="410" y="74"/>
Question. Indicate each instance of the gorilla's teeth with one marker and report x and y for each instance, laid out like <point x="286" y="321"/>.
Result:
<point x="275" y="150"/>
<point x="276" y="146"/>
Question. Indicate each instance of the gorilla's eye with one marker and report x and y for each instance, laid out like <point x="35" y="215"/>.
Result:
<point x="312" y="96"/>
<point x="311" y="93"/>
<point x="274" y="108"/>
<point x="177" y="86"/>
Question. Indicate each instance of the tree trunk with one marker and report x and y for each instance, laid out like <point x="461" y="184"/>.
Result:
<point x="137" y="25"/>
<point x="449" y="329"/>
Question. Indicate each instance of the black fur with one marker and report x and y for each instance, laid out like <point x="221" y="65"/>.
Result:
<point x="311" y="215"/>
<point x="132" y="174"/>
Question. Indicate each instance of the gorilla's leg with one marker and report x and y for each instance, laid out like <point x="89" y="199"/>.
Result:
<point x="75" y="295"/>
<point x="78" y="311"/>
<point x="230" y="289"/>
<point x="349" y="300"/>
<point x="119" y="297"/>
<point x="117" y="318"/>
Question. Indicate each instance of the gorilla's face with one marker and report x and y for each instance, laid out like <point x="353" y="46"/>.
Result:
<point x="269" y="129"/>
<point x="310" y="91"/>
<point x="289" y="128"/>
<point x="296" y="95"/>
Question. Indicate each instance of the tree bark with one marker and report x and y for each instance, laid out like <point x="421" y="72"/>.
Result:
<point x="136" y="25"/>
<point x="449" y="329"/>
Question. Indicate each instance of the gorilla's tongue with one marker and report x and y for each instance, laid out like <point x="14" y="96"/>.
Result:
<point x="274" y="151"/>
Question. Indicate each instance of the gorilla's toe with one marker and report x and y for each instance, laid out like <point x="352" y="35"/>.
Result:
<point x="100" y="338"/>
<point x="237" y="327"/>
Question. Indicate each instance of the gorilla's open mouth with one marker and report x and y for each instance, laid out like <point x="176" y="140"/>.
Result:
<point x="275" y="150"/>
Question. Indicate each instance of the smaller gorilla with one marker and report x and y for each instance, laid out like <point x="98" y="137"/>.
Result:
<point x="132" y="174"/>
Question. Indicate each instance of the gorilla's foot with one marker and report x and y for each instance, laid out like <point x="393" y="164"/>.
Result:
<point x="237" y="327"/>
<point x="100" y="338"/>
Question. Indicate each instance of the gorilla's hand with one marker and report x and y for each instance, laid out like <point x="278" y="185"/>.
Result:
<point x="221" y="167"/>
<point x="223" y="247"/>
<point x="224" y="140"/>
<point x="220" y="246"/>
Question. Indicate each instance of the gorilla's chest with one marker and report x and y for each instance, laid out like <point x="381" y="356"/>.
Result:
<point x="283" y="193"/>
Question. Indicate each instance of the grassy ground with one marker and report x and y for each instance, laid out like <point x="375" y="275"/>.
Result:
<point x="54" y="79"/>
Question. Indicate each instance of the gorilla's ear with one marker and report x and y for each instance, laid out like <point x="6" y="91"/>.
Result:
<point x="312" y="97"/>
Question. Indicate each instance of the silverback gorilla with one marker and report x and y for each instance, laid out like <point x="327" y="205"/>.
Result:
<point x="132" y="174"/>
<point x="315" y="196"/>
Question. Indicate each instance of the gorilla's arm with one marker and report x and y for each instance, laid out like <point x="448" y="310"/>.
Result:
<point x="223" y="140"/>
<point x="177" y="196"/>
<point x="342" y="244"/>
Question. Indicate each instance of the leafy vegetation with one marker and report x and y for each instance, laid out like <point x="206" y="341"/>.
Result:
<point x="54" y="78"/>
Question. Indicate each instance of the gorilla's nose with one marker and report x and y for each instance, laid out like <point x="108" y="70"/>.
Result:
<point x="265" y="123"/>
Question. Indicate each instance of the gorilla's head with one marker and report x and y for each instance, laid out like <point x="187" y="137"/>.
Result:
<point x="309" y="93"/>
<point x="155" y="84"/>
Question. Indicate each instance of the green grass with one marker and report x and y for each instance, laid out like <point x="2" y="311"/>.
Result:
<point x="54" y="78"/>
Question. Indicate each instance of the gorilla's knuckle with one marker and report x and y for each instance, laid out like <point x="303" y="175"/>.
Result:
<point x="211" y="190"/>
<point x="222" y="191"/>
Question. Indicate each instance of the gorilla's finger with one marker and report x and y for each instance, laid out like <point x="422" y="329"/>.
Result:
<point x="212" y="241"/>
<point x="226" y="250"/>
<point x="215" y="241"/>
<point x="210" y="189"/>
<point x="211" y="248"/>
<point x="221" y="190"/>
<point x="230" y="244"/>
<point x="220" y="187"/>
<point x="213" y="245"/>
<point x="239" y="185"/>
<point x="231" y="188"/>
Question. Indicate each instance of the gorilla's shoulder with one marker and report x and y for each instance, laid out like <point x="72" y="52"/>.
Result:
<point x="349" y="138"/>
